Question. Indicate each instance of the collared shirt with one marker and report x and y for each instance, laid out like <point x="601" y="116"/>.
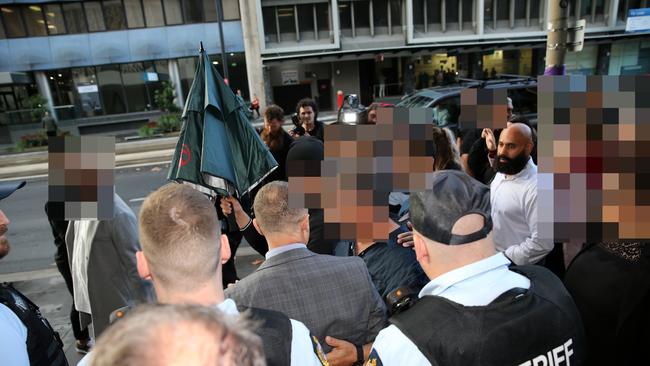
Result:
<point x="476" y="284"/>
<point x="514" y="215"/>
<point x="13" y="339"/>
<point x="284" y="248"/>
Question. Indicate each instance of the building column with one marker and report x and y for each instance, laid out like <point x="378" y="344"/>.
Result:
<point x="252" y="50"/>
<point x="175" y="77"/>
<point x="44" y="90"/>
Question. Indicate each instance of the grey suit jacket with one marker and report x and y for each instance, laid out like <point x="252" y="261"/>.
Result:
<point x="113" y="279"/>
<point x="333" y="296"/>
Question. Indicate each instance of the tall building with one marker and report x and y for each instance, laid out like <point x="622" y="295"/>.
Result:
<point x="390" y="47"/>
<point x="99" y="63"/>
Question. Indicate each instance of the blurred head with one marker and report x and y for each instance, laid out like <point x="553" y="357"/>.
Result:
<point x="6" y="189"/>
<point x="277" y="221"/>
<point x="166" y="335"/>
<point x="514" y="148"/>
<point x="273" y="119"/>
<point x="509" y="109"/>
<point x="446" y="154"/>
<point x="182" y="244"/>
<point x="307" y="111"/>
<point x="372" y="113"/>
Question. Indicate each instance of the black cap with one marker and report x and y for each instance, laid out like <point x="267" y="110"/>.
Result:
<point x="6" y="189"/>
<point x="452" y="195"/>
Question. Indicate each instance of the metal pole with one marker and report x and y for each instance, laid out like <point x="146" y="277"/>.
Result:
<point x="556" y="48"/>
<point x="224" y="60"/>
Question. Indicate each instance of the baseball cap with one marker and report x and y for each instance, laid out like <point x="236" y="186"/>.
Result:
<point x="452" y="195"/>
<point x="6" y="189"/>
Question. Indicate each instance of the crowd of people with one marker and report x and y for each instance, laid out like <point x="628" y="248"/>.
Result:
<point x="461" y="280"/>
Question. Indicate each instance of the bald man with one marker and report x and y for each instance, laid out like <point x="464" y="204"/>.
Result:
<point x="513" y="195"/>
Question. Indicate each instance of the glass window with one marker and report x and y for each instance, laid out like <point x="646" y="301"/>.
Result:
<point x="268" y="18"/>
<point x="13" y="21"/>
<point x="156" y="73"/>
<point x="61" y="86"/>
<point x="111" y="89"/>
<point x="186" y="69"/>
<point x="230" y="9"/>
<point x="323" y="17"/>
<point x="134" y="17"/>
<point x="361" y="11"/>
<point x="54" y="19"/>
<point x="418" y="15"/>
<point x="87" y="101"/>
<point x="114" y="14"/>
<point x="396" y="12"/>
<point x="153" y="13"/>
<point x="534" y="9"/>
<point x="2" y="30"/>
<point x="193" y="11"/>
<point x="95" y="16"/>
<point x="503" y="10"/>
<point x="133" y="77"/>
<point x="173" y="12"/>
<point x="467" y="11"/>
<point x="287" y="23"/>
<point x="433" y="12"/>
<point x="74" y="18"/>
<point x="34" y="20"/>
<point x="380" y="13"/>
<point x="306" y="18"/>
<point x="451" y="12"/>
<point x="345" y="19"/>
<point x="210" y="10"/>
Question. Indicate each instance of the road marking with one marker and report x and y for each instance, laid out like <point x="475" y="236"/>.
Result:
<point x="140" y="199"/>
<point x="39" y="176"/>
<point x="30" y="275"/>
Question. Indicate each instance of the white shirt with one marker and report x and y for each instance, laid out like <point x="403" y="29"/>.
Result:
<point x="514" y="215"/>
<point x="13" y="339"/>
<point x="476" y="284"/>
<point x="285" y="248"/>
<point x="84" y="234"/>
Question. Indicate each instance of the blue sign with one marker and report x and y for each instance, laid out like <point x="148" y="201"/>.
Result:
<point x="638" y="20"/>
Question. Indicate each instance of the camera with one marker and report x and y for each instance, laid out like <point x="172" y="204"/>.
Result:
<point x="298" y="130"/>
<point x="400" y="300"/>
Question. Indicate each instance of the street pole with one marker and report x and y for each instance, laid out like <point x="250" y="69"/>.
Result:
<point x="557" y="35"/>
<point x="224" y="59"/>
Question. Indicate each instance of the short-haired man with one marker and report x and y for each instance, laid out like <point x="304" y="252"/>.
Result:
<point x="513" y="196"/>
<point x="333" y="296"/>
<point x="167" y="335"/>
<point x="476" y="310"/>
<point x="307" y="111"/>
<point x="182" y="253"/>
<point x="26" y="338"/>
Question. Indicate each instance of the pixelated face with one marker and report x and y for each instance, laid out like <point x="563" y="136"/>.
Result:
<point x="483" y="108"/>
<point x="81" y="177"/>
<point x="306" y="115"/>
<point x="363" y="164"/>
<point x="4" y="242"/>
<point x="593" y="145"/>
<point x="273" y="125"/>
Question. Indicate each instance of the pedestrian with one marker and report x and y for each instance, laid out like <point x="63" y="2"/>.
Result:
<point x="307" y="112"/>
<point x="445" y="151"/>
<point x="476" y="309"/>
<point x="276" y="139"/>
<point x="26" y="338"/>
<point x="255" y="105"/>
<point x="51" y="128"/>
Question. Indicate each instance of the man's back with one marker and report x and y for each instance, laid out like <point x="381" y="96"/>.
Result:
<point x="333" y="296"/>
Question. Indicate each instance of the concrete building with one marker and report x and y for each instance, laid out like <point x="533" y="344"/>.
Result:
<point x="99" y="63"/>
<point x="390" y="47"/>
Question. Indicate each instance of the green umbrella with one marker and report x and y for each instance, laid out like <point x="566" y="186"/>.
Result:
<point x="218" y="151"/>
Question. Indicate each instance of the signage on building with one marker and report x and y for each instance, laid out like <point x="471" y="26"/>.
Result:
<point x="290" y="77"/>
<point x="638" y="20"/>
<point x="83" y="89"/>
<point x="150" y="76"/>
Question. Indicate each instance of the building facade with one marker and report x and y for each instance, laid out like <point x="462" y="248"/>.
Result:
<point x="101" y="62"/>
<point x="378" y="48"/>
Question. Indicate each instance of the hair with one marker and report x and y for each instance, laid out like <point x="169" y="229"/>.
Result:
<point x="446" y="155"/>
<point x="180" y="236"/>
<point x="272" y="211"/>
<point x="273" y="112"/>
<point x="307" y="102"/>
<point x="178" y="334"/>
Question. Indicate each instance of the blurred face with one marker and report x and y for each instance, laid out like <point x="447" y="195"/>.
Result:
<point x="273" y="125"/>
<point x="4" y="242"/>
<point x="372" y="117"/>
<point x="306" y="115"/>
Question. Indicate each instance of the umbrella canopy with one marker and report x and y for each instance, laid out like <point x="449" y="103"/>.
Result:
<point x="218" y="151"/>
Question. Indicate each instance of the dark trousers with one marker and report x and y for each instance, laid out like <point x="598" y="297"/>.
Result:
<point x="61" y="259"/>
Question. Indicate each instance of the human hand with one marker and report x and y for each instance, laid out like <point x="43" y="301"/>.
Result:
<point x="490" y="141"/>
<point x="229" y="205"/>
<point x="406" y="238"/>
<point x="343" y="353"/>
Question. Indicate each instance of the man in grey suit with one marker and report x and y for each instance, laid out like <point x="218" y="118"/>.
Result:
<point x="103" y="265"/>
<point x="333" y="296"/>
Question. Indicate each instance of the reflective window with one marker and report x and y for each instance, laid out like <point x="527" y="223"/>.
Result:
<point x="380" y="15"/>
<point x="133" y="77"/>
<point x="306" y="21"/>
<point x="361" y="14"/>
<point x="87" y="101"/>
<point x="74" y="18"/>
<point x="134" y="16"/>
<point x="193" y="11"/>
<point x="230" y="9"/>
<point x="13" y="21"/>
<point x="287" y="23"/>
<point x="345" y="19"/>
<point x="503" y="10"/>
<point x="270" y="29"/>
<point x="34" y="20"/>
<point x="94" y="15"/>
<point x="2" y="30"/>
<point x="210" y="10"/>
<point x="153" y="13"/>
<point x="110" y="88"/>
<point x="323" y="18"/>
<point x="54" y="19"/>
<point x="114" y="15"/>
<point x="434" y="14"/>
<point x="173" y="12"/>
<point x="396" y="12"/>
<point x="186" y="70"/>
<point x="156" y="73"/>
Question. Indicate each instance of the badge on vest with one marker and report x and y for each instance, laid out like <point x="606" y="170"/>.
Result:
<point x="373" y="359"/>
<point x="318" y="350"/>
